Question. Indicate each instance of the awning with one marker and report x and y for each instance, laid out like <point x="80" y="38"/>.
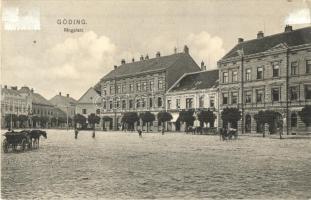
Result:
<point x="175" y="117"/>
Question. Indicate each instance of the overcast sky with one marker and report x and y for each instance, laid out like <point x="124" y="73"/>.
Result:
<point x="50" y="60"/>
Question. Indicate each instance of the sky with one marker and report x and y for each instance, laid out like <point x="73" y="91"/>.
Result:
<point x="37" y="52"/>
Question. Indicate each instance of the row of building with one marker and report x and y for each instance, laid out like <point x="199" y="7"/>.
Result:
<point x="266" y="73"/>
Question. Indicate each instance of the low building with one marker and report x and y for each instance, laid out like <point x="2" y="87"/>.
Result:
<point x="65" y="103"/>
<point x="140" y="86"/>
<point x="90" y="103"/>
<point x="195" y="91"/>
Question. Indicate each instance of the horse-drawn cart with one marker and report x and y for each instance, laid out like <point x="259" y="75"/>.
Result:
<point x="14" y="140"/>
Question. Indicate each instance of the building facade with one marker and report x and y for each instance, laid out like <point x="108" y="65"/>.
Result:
<point x="268" y="73"/>
<point x="90" y="103"/>
<point x="66" y="103"/>
<point x="12" y="103"/>
<point x="141" y="86"/>
<point x="195" y="91"/>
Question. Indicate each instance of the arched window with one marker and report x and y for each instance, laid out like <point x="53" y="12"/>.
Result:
<point x="294" y="120"/>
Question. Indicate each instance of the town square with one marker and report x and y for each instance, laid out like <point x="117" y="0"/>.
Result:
<point x="156" y="100"/>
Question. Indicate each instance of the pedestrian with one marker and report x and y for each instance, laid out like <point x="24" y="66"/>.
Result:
<point x="163" y="131"/>
<point x="76" y="133"/>
<point x="139" y="133"/>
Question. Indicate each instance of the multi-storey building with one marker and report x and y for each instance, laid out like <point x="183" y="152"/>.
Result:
<point x="268" y="73"/>
<point x="89" y="103"/>
<point x="140" y="86"/>
<point x="12" y="103"/>
<point x="65" y="103"/>
<point x="195" y="91"/>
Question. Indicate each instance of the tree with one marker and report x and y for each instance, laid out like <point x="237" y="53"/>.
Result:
<point x="187" y="117"/>
<point x="130" y="118"/>
<point x="22" y="119"/>
<point x="232" y="116"/>
<point x="11" y="118"/>
<point x="147" y="117"/>
<point x="163" y="117"/>
<point x="53" y="121"/>
<point x="267" y="117"/>
<point x="43" y="121"/>
<point x="305" y="115"/>
<point x="80" y="119"/>
<point x="207" y="117"/>
<point x="93" y="119"/>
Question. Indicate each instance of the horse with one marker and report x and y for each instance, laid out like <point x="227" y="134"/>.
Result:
<point x="35" y="137"/>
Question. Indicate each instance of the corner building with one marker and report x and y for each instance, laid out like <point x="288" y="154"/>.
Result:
<point x="268" y="73"/>
<point x="140" y="86"/>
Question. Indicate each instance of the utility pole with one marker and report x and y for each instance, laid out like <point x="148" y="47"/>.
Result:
<point x="115" y="102"/>
<point x="287" y="88"/>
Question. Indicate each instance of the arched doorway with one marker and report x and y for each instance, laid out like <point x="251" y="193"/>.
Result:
<point x="248" y="123"/>
<point x="294" y="120"/>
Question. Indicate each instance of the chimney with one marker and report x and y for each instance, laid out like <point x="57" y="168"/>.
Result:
<point x="146" y="57"/>
<point x="260" y="35"/>
<point x="5" y="86"/>
<point x="175" y="50"/>
<point x="240" y="40"/>
<point x="31" y="90"/>
<point x="67" y="95"/>
<point x="186" y="49"/>
<point x="115" y="67"/>
<point x="203" y="67"/>
<point x="158" y="54"/>
<point x="288" y="28"/>
<point x="123" y="61"/>
<point x="141" y="57"/>
<point x="133" y="60"/>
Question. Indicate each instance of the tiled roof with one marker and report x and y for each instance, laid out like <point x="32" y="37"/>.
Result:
<point x="38" y="99"/>
<point x="152" y="64"/>
<point x="196" y="81"/>
<point x="90" y="96"/>
<point x="291" y="38"/>
<point x="62" y="100"/>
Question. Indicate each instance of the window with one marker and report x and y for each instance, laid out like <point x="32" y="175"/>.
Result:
<point x="131" y="87"/>
<point x="144" y="86"/>
<point x="201" y="101"/>
<point x="138" y="87"/>
<point x="118" y="89"/>
<point x="123" y="88"/>
<point x="259" y="96"/>
<point x="130" y="104"/>
<point x="294" y="68"/>
<point x="234" y="76"/>
<point x="110" y="105"/>
<point x="260" y="73"/>
<point x="137" y="103"/>
<point x="123" y="104"/>
<point x="84" y="111"/>
<point x="294" y="120"/>
<point x="307" y="91"/>
<point x="150" y="103"/>
<point x="294" y="93"/>
<point x="169" y="104"/>
<point x="212" y="102"/>
<point x="248" y="74"/>
<point x="276" y="70"/>
<point x="275" y="94"/>
<point x="225" y="77"/>
<point x="248" y="97"/>
<point x="151" y="85"/>
<point x="97" y="111"/>
<point x="104" y="104"/>
<point x="224" y="98"/>
<point x="177" y="103"/>
<point x="308" y="66"/>
<point x="143" y="103"/>
<point x="234" y="98"/>
<point x="189" y="102"/>
<point x="160" y="102"/>
<point x="160" y="84"/>
<point x="111" y="89"/>
<point x="118" y="104"/>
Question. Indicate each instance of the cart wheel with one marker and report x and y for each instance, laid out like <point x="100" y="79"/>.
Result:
<point x="23" y="144"/>
<point x="5" y="146"/>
